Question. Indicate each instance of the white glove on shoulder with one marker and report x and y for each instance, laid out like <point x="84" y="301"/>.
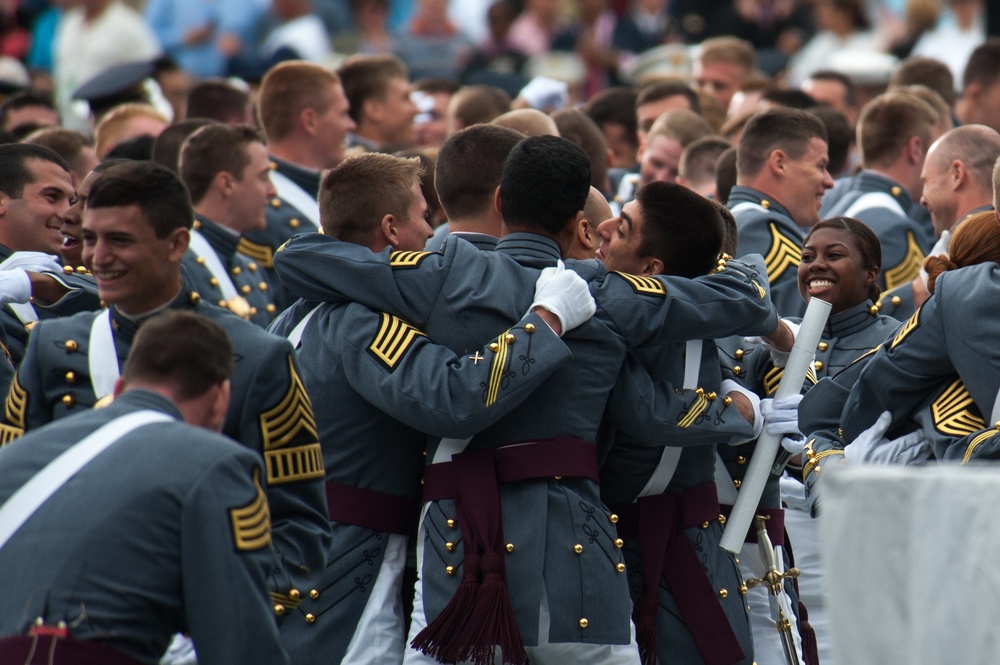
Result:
<point x="565" y="294"/>
<point x="32" y="262"/>
<point x="545" y="94"/>
<point x="15" y="286"/>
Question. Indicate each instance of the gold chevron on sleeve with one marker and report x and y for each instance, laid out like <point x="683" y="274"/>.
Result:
<point x="288" y="465"/>
<point x="407" y="259"/>
<point x="252" y="522"/>
<point x="784" y="253"/>
<point x="290" y="417"/>
<point x="909" y="267"/>
<point x="497" y="368"/>
<point x="976" y="442"/>
<point x="951" y="414"/>
<point x="260" y="253"/>
<point x="393" y="339"/>
<point x="696" y="410"/>
<point x="646" y="286"/>
<point x="911" y="324"/>
<point x="16" y="405"/>
<point x="772" y="379"/>
<point x="869" y="352"/>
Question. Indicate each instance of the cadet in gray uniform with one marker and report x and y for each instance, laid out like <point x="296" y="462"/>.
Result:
<point x="782" y="174"/>
<point x="135" y="233"/>
<point x="166" y="530"/>
<point x="226" y="170"/>
<point x="304" y="113"/>
<point x="554" y="534"/>
<point x="353" y="611"/>
<point x="36" y="183"/>
<point x="895" y="131"/>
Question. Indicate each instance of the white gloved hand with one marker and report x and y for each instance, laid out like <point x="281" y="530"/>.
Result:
<point x="565" y="294"/>
<point x="940" y="247"/>
<point x="32" y="262"/>
<point x="861" y="448"/>
<point x="180" y="652"/>
<point x="781" y="418"/>
<point x="15" y="286"/>
<point x="778" y="357"/>
<point x="912" y="448"/>
<point x="730" y="386"/>
<point x="545" y="94"/>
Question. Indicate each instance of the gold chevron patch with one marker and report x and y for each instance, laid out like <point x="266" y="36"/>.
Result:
<point x="909" y="267"/>
<point x="784" y="253"/>
<point x="287" y="601"/>
<point x="864" y="355"/>
<point x="773" y="378"/>
<point x="911" y="324"/>
<point x="407" y="259"/>
<point x="292" y="415"/>
<point x="760" y="289"/>
<point x="696" y="410"/>
<point x="951" y="414"/>
<point x="260" y="253"/>
<point x="393" y="339"/>
<point x="497" y="369"/>
<point x="9" y="434"/>
<point x="288" y="465"/>
<point x="252" y="522"/>
<point x="16" y="405"/>
<point x="976" y="442"/>
<point x="644" y="285"/>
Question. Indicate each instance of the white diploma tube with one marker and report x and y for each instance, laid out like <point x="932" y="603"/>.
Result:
<point x="799" y="361"/>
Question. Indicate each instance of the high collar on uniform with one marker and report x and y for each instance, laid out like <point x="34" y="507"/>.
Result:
<point x="851" y="320"/>
<point x="872" y="181"/>
<point x="530" y="249"/>
<point x="125" y="326"/>
<point x="482" y="241"/>
<point x="138" y="399"/>
<point x="307" y="179"/>
<point x="750" y="195"/>
<point x="222" y="240"/>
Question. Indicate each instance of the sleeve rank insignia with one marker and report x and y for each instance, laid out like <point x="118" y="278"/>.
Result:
<point x="292" y="417"/>
<point x="907" y="269"/>
<point x="978" y="441"/>
<point x="252" y="522"/>
<point x="501" y="350"/>
<point x="646" y="286"/>
<point x="407" y="259"/>
<point x="696" y="410"/>
<point x="260" y="253"/>
<point x="911" y="324"/>
<point x="393" y="340"/>
<point x="784" y="253"/>
<point x="773" y="378"/>
<point x="16" y="405"/>
<point x="951" y="413"/>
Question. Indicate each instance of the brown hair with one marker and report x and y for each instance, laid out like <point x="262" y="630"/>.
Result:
<point x="367" y="77"/>
<point x="477" y="104"/>
<point x="728" y="49"/>
<point x="289" y="88"/>
<point x="109" y="132"/>
<point x="976" y="240"/>
<point x="685" y="127"/>
<point x="780" y="128"/>
<point x="213" y="149"/>
<point x="888" y="122"/>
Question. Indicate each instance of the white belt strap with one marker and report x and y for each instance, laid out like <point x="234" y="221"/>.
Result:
<point x="747" y="205"/>
<point x="873" y="200"/>
<point x="448" y="447"/>
<point x="202" y="249"/>
<point x="295" y="337"/>
<point x="25" y="312"/>
<point x="295" y="196"/>
<point x="19" y="508"/>
<point x="671" y="456"/>
<point x="102" y="358"/>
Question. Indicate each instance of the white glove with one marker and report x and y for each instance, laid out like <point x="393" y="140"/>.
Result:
<point x="781" y="418"/>
<point x="861" y="448"/>
<point x="180" y="652"/>
<point x="565" y="294"/>
<point x="15" y="286"/>
<point x="778" y="357"/>
<point x="940" y="247"/>
<point x="874" y="448"/>
<point x="730" y="386"/>
<point x="545" y="94"/>
<point x="32" y="262"/>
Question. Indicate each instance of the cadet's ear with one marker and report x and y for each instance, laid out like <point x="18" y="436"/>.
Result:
<point x="388" y="229"/>
<point x="651" y="266"/>
<point x="777" y="161"/>
<point x="4" y="202"/>
<point x="496" y="202"/>
<point x="959" y="174"/>
<point x="179" y="240"/>
<point x="587" y="235"/>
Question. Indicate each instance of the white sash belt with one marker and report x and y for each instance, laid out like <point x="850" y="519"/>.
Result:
<point x="19" y="508"/>
<point x="295" y="196"/>
<point x="202" y="249"/>
<point x="874" y="200"/>
<point x="102" y="358"/>
<point x="295" y="337"/>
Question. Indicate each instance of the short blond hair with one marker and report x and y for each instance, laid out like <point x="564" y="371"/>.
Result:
<point x="289" y="88"/>
<point x="728" y="49"/>
<point x="113" y="128"/>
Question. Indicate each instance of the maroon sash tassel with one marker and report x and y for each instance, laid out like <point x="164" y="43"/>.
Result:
<point x="56" y="650"/>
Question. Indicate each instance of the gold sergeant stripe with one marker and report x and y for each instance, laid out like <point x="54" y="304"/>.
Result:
<point x="951" y="414"/>
<point x="287" y="465"/>
<point x="815" y="459"/>
<point x="393" y="339"/>
<point x="260" y="253"/>
<point x="16" y="404"/>
<point x="773" y="378"/>
<point x="909" y="267"/>
<point x="252" y="523"/>
<point x="644" y="285"/>
<point x="864" y="355"/>
<point x="696" y="410"/>
<point x="911" y="324"/>
<point x="497" y="369"/>
<point x="292" y="416"/>
<point x="9" y="434"/>
<point x="976" y="442"/>
<point x="784" y="252"/>
<point x="407" y="259"/>
<point x="285" y="600"/>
